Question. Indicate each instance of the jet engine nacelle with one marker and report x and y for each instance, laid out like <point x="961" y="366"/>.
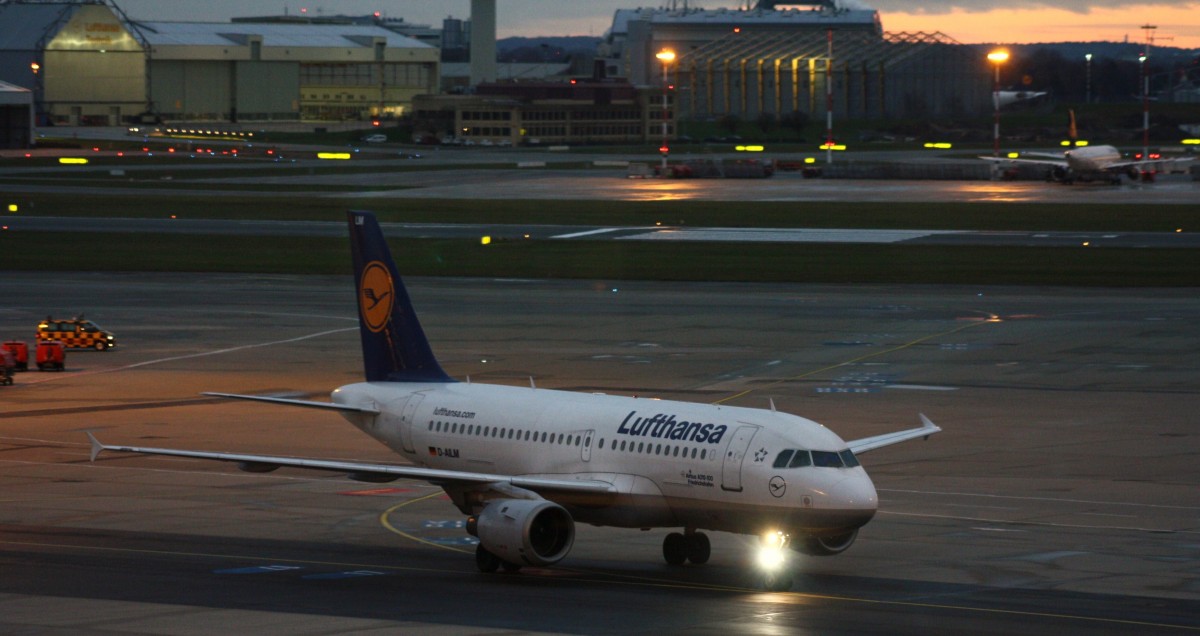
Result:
<point x="525" y="531"/>
<point x="826" y="546"/>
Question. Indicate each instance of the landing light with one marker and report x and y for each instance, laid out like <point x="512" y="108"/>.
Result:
<point x="772" y="551"/>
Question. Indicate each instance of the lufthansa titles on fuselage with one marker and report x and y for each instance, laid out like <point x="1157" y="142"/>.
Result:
<point x="665" y="426"/>
<point x="445" y="412"/>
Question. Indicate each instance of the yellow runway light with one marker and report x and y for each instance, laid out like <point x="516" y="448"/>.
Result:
<point x="333" y="155"/>
<point x="72" y="161"/>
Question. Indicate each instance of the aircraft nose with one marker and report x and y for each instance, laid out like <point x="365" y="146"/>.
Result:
<point x="857" y="492"/>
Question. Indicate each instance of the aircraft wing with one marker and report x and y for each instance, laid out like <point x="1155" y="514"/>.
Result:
<point x="1044" y="162"/>
<point x="1152" y="163"/>
<point x="372" y="472"/>
<point x="887" y="439"/>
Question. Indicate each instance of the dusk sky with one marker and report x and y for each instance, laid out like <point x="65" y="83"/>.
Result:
<point x="968" y="21"/>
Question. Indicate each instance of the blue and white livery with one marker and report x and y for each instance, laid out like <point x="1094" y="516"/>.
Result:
<point x="525" y="464"/>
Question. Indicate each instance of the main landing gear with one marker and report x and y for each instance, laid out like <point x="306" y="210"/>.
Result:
<point x="693" y="546"/>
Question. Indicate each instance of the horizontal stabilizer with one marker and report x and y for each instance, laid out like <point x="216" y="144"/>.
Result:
<point x="289" y="402"/>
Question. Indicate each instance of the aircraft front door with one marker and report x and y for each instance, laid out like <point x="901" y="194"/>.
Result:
<point x="731" y="469"/>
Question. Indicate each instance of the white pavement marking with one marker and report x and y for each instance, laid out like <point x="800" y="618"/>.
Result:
<point x="602" y="230"/>
<point x="192" y="355"/>
<point x="784" y="235"/>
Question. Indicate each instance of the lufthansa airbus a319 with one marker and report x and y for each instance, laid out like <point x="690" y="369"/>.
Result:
<point x="552" y="459"/>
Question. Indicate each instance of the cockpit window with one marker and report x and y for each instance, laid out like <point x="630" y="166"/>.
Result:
<point x="826" y="459"/>
<point x="800" y="459"/>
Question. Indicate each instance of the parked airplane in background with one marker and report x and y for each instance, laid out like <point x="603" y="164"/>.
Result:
<point x="1090" y="163"/>
<point x="525" y="464"/>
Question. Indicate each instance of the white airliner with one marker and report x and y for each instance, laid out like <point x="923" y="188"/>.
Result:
<point x="526" y="464"/>
<point x="1090" y="163"/>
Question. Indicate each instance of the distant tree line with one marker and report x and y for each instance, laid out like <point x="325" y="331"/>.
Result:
<point x="1111" y="79"/>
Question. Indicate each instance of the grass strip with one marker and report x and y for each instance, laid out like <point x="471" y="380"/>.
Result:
<point x="613" y="260"/>
<point x="868" y="215"/>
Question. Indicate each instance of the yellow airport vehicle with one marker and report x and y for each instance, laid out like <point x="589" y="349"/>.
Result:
<point x="76" y="333"/>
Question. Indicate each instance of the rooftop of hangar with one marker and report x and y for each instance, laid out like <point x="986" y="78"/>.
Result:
<point x="848" y="47"/>
<point x="273" y="35"/>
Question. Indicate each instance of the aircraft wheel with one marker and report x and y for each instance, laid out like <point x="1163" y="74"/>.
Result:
<point x="698" y="548"/>
<point x="675" y="548"/>
<point x="486" y="561"/>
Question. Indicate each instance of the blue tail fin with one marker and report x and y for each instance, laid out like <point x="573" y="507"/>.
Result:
<point x="394" y="345"/>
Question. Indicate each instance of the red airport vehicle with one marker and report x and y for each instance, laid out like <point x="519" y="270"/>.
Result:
<point x="51" y="355"/>
<point x="20" y="353"/>
<point x="6" y="367"/>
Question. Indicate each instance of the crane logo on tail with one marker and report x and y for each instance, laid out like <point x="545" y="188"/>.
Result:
<point x="375" y="296"/>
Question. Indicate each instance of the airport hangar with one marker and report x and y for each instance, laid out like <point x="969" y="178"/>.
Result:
<point x="775" y="61"/>
<point x="97" y="66"/>
<point x="89" y="64"/>
<point x="16" y="116"/>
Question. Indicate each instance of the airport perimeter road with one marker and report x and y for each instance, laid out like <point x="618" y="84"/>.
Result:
<point x="1060" y="499"/>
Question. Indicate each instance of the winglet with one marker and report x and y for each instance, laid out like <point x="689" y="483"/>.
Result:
<point x="96" y="446"/>
<point x="928" y="425"/>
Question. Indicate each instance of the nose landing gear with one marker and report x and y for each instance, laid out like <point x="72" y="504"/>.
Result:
<point x="775" y="571"/>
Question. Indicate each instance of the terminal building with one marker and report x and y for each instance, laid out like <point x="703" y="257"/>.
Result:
<point x="583" y="110"/>
<point x="88" y="63"/>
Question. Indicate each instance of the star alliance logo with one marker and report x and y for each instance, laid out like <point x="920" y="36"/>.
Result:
<point x="760" y="455"/>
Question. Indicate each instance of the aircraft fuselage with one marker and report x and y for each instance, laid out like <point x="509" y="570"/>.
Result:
<point x="672" y="463"/>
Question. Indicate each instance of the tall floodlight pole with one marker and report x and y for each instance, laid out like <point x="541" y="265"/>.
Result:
<point x="1088" y="57"/>
<point x="1149" y="28"/>
<point x="997" y="57"/>
<point x="666" y="56"/>
<point x="829" y="96"/>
